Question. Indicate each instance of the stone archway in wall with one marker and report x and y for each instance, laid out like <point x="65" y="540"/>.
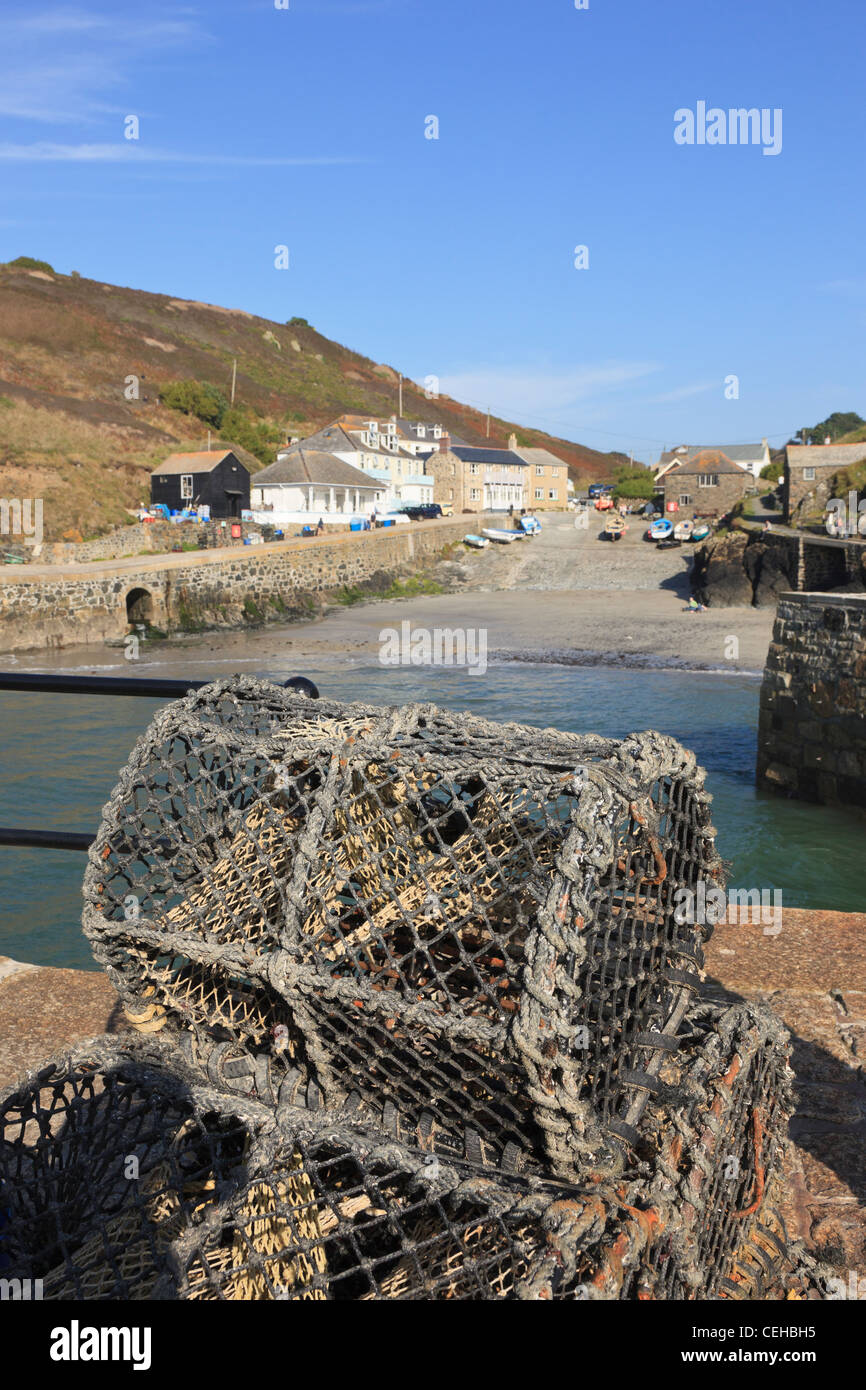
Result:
<point x="139" y="606"/>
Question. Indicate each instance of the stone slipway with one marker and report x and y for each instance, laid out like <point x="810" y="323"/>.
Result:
<point x="813" y="973"/>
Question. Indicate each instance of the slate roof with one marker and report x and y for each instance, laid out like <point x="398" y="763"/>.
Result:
<point x="299" y="466"/>
<point x="472" y="455"/>
<point x="705" y="461"/>
<point x="825" y="455"/>
<point x="336" y="439"/>
<point x="536" y="456"/>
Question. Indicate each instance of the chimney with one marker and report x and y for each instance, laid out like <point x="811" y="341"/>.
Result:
<point x="444" y="442"/>
<point x="512" y="442"/>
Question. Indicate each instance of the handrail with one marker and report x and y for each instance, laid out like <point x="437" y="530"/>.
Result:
<point x="24" y="838"/>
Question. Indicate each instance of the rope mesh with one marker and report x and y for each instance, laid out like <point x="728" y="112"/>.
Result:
<point x="474" y="919"/>
<point x="127" y="1177"/>
<point x="416" y="1016"/>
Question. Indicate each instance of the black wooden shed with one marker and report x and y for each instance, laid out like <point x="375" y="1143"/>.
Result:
<point x="215" y="478"/>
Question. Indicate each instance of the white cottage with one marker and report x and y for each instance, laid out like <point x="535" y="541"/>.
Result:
<point x="305" y="484"/>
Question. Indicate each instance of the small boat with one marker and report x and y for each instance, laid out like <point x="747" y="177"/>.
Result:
<point x="671" y="542"/>
<point x="477" y="542"/>
<point x="531" y="525"/>
<point x="660" y="530"/>
<point x="683" y="530"/>
<point x="492" y="533"/>
<point x="615" y="528"/>
<point x="700" y="532"/>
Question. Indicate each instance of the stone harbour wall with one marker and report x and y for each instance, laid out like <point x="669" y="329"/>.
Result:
<point x="812" y="724"/>
<point x="58" y="606"/>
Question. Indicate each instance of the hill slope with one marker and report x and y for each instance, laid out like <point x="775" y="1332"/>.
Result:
<point x="69" y="435"/>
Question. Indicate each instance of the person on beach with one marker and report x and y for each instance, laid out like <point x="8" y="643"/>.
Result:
<point x="321" y="526"/>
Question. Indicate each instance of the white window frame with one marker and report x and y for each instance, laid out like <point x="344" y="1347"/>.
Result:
<point x="551" y="494"/>
<point x="539" y="494"/>
<point x="708" y="480"/>
<point x="685" y="499"/>
<point x="186" y="492"/>
<point x="808" y="475"/>
<point x="474" y="494"/>
<point x="539" y="470"/>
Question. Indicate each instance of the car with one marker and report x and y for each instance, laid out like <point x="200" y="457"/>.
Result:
<point x="447" y="509"/>
<point x="423" y="511"/>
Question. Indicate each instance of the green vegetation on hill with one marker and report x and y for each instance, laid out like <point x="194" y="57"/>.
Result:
<point x="837" y="426"/>
<point x="633" y="482"/>
<point x="102" y="382"/>
<point x="29" y="263"/>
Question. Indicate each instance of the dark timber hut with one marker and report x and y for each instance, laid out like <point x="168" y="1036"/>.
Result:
<point x="215" y="478"/>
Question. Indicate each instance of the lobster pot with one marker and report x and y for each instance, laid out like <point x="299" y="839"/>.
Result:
<point x="715" y="1136"/>
<point x="476" y="920"/>
<point x="122" y="1177"/>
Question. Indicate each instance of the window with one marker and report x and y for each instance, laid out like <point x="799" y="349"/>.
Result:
<point x="450" y="494"/>
<point x="186" y="487"/>
<point x="708" y="480"/>
<point x="539" y="494"/>
<point x="685" y="499"/>
<point x="474" y="467"/>
<point x="422" y="433"/>
<point x="554" y="472"/>
<point x="474" y="494"/>
<point x="551" y="496"/>
<point x="539" y="470"/>
<point x="808" y="475"/>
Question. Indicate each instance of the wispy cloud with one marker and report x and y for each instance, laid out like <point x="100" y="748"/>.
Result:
<point x="130" y="152"/>
<point x="67" y="64"/>
<point x="683" y="393"/>
<point x="528" y="392"/>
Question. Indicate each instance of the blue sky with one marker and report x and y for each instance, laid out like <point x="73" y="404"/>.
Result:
<point x="455" y="257"/>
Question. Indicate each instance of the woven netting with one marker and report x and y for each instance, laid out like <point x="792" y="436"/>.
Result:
<point x="125" y="1177"/>
<point x="467" y="918"/>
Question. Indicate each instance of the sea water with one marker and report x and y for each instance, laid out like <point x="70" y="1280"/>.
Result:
<point x="61" y="755"/>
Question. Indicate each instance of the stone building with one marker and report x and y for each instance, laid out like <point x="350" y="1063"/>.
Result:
<point x="706" y="484"/>
<point x="546" y="479"/>
<point x="477" y="479"/>
<point x="809" y="471"/>
<point x="751" y="457"/>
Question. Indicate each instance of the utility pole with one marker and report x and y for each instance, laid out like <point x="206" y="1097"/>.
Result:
<point x="488" y="422"/>
<point x="400" y="413"/>
<point x="234" y="377"/>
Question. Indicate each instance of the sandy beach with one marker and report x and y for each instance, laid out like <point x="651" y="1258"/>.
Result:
<point x="564" y="596"/>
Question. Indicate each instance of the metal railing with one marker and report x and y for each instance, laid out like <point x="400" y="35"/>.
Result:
<point x="24" y="838"/>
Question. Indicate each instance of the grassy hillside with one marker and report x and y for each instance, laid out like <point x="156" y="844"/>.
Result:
<point x="69" y="435"/>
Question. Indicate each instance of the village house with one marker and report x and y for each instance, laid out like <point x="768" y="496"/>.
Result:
<point x="751" y="457"/>
<point x="215" y="478"/>
<point x="305" y="484"/>
<point x="809" y="471"/>
<point x="705" y="484"/>
<point x="546" y="478"/>
<point x="418" y="437"/>
<point x="477" y="479"/>
<point x="374" y="447"/>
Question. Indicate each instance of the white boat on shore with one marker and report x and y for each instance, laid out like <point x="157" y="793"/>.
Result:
<point x="502" y="537"/>
<point x="477" y="542"/>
